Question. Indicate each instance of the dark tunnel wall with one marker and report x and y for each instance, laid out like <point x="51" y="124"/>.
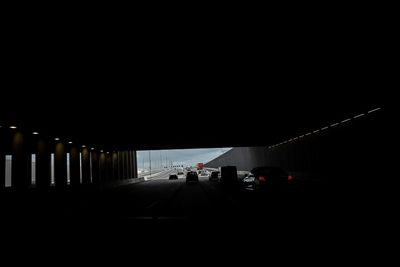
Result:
<point x="351" y="152"/>
<point x="244" y="158"/>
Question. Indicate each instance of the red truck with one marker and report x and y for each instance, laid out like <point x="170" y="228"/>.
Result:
<point x="200" y="166"/>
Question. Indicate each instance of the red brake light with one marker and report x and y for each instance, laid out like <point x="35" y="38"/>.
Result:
<point x="261" y="179"/>
<point x="290" y="177"/>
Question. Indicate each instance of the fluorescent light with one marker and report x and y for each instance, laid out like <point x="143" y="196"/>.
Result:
<point x="301" y="136"/>
<point x="308" y="134"/>
<point x="358" y="116"/>
<point x="374" y="110"/>
<point x="57" y="139"/>
<point x="346" y="120"/>
<point x="92" y="148"/>
<point x="316" y="131"/>
<point x="13" y="127"/>
<point x="325" y="128"/>
<point x="83" y="146"/>
<point x="70" y="142"/>
<point x="335" y="124"/>
<point x="35" y="133"/>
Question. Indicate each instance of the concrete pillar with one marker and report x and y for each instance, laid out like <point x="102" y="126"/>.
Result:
<point x="123" y="165"/>
<point x="2" y="158"/>
<point x="129" y="164"/>
<point x="120" y="165"/>
<point x="21" y="161"/>
<point x="43" y="159"/>
<point x="109" y="167"/>
<point x="115" y="166"/>
<point x="125" y="168"/>
<point x="86" y="166"/>
<point x="60" y="165"/>
<point x="102" y="167"/>
<point x="95" y="167"/>
<point x="135" y="165"/>
<point x="74" y="165"/>
<point x="2" y="169"/>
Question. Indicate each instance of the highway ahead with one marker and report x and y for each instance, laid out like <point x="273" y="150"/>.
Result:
<point x="173" y="212"/>
<point x="159" y="200"/>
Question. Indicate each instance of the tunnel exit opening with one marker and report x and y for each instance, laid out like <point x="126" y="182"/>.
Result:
<point x="151" y="162"/>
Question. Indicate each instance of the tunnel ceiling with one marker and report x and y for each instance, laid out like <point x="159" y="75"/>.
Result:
<point x="199" y="117"/>
<point x="194" y="93"/>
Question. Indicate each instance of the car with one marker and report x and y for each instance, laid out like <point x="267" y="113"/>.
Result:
<point x="270" y="178"/>
<point x="202" y="173"/>
<point x="214" y="176"/>
<point x="173" y="177"/>
<point x="192" y="177"/>
<point x="181" y="174"/>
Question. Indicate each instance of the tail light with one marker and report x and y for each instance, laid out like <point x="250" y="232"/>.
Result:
<point x="290" y="177"/>
<point x="261" y="179"/>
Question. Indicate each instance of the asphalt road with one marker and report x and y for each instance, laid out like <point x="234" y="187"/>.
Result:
<point x="159" y="199"/>
<point x="160" y="214"/>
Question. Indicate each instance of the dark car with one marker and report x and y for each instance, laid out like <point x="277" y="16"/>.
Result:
<point x="267" y="178"/>
<point x="192" y="177"/>
<point x="214" y="176"/>
<point x="173" y="177"/>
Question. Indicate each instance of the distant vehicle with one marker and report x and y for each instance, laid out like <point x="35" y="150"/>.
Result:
<point x="229" y="175"/>
<point x="214" y="176"/>
<point x="267" y="178"/>
<point x="192" y="177"/>
<point x="203" y="173"/>
<point x="200" y="166"/>
<point x="173" y="177"/>
<point x="180" y="173"/>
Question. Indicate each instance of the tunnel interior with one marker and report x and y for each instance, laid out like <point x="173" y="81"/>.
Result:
<point x="302" y="87"/>
<point x="337" y="153"/>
